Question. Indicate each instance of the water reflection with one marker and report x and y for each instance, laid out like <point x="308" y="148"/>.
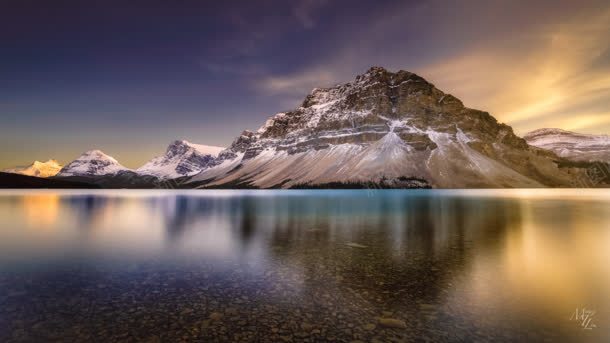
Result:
<point x="453" y="265"/>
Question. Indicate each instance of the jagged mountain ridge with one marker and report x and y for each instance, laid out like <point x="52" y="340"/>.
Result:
<point x="383" y="126"/>
<point x="38" y="169"/>
<point x="396" y="130"/>
<point x="181" y="158"/>
<point x="571" y="145"/>
<point x="98" y="169"/>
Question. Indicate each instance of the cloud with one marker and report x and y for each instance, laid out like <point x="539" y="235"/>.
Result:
<point x="559" y="77"/>
<point x="298" y="83"/>
<point x="529" y="66"/>
<point x="304" y="11"/>
<point x="233" y="68"/>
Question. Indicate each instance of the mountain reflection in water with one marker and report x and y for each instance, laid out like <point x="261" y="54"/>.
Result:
<point x="304" y="265"/>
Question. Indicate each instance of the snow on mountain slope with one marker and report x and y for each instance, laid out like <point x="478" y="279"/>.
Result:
<point x="203" y="149"/>
<point x="92" y="163"/>
<point x="571" y="145"/>
<point x="39" y="169"/>
<point x="181" y="158"/>
<point x="451" y="165"/>
<point x="383" y="126"/>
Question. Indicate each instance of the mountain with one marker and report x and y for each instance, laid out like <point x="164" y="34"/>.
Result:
<point x="384" y="128"/>
<point x="100" y="170"/>
<point x="38" y="169"/>
<point x="571" y="145"/>
<point x="92" y="163"/>
<point x="181" y="158"/>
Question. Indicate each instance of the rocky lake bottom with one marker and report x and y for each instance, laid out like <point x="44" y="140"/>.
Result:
<point x="304" y="266"/>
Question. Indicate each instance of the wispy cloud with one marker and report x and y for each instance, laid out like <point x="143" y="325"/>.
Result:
<point x="233" y="68"/>
<point x="298" y="83"/>
<point x="562" y="76"/>
<point x="545" y="68"/>
<point x="304" y="11"/>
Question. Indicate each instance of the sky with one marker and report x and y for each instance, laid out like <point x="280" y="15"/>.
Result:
<point x="128" y="77"/>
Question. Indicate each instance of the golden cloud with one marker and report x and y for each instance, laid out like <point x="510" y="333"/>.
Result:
<point x="551" y="83"/>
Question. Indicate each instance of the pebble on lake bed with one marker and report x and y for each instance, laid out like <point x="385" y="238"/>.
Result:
<point x="392" y="323"/>
<point x="356" y="245"/>
<point x="216" y="316"/>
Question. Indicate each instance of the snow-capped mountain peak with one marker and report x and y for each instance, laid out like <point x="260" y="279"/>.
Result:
<point x="382" y="126"/>
<point x="179" y="147"/>
<point x="393" y="129"/>
<point x="96" y="154"/>
<point x="181" y="158"/>
<point x="92" y="163"/>
<point x="39" y="169"/>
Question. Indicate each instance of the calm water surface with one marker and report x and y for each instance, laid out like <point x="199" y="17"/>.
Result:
<point x="168" y="266"/>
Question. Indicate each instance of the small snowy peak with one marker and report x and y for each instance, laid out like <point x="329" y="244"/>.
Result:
<point x="571" y="145"/>
<point x="92" y="163"/>
<point x="182" y="158"/>
<point x="50" y="162"/>
<point x="179" y="147"/>
<point x="97" y="155"/>
<point x="546" y="132"/>
<point x="38" y="169"/>
<point x="545" y="136"/>
<point x="207" y="149"/>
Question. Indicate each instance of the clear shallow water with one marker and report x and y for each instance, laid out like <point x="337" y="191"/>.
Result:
<point x="304" y="265"/>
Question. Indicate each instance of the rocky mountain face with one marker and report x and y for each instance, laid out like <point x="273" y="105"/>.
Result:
<point x="571" y="145"/>
<point x="92" y="163"/>
<point x="384" y="129"/>
<point x="38" y="169"/>
<point x="392" y="128"/>
<point x="181" y="158"/>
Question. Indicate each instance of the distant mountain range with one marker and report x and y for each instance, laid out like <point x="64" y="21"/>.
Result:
<point x="571" y="145"/>
<point x="39" y="169"/>
<point x="388" y="130"/>
<point x="182" y="158"/>
<point x="92" y="163"/>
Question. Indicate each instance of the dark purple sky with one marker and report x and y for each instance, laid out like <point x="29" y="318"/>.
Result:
<point x="128" y="79"/>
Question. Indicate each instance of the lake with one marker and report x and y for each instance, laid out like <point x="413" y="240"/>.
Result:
<point x="305" y="266"/>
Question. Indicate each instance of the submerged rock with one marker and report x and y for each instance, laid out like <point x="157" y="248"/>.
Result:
<point x="392" y="323"/>
<point x="216" y="316"/>
<point x="356" y="245"/>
